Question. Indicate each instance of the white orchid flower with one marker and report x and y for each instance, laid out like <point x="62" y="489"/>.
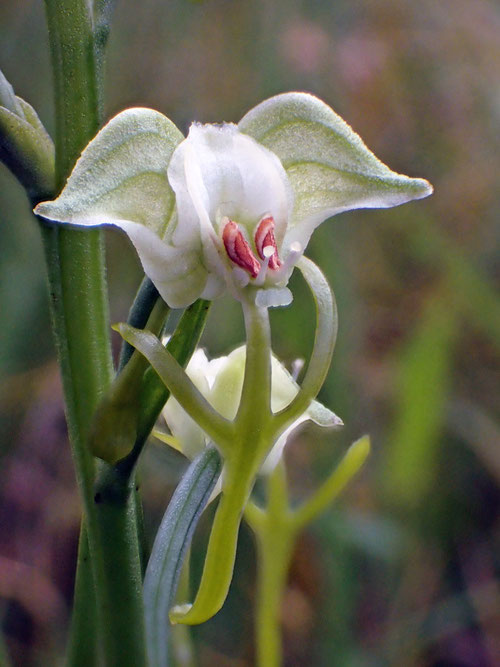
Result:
<point x="231" y="207"/>
<point x="221" y="381"/>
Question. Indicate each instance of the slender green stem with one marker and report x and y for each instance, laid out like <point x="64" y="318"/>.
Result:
<point x="275" y="535"/>
<point x="255" y="404"/>
<point x="82" y="652"/>
<point x="249" y="440"/>
<point x="275" y="550"/>
<point x="81" y="327"/>
<point x="276" y="528"/>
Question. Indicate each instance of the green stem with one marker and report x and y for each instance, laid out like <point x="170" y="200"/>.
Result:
<point x="244" y="449"/>
<point x="275" y="535"/>
<point x="275" y="549"/>
<point x="80" y="322"/>
<point x="82" y="652"/>
<point x="121" y="593"/>
<point x="276" y="528"/>
<point x="255" y="404"/>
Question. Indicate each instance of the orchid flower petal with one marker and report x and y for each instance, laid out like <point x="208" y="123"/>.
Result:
<point x="220" y="175"/>
<point x="328" y="165"/>
<point x="121" y="175"/>
<point x="229" y="208"/>
<point x="121" y="180"/>
<point x="221" y="382"/>
<point x="217" y="172"/>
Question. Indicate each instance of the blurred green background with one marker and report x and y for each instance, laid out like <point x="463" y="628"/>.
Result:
<point x="404" y="571"/>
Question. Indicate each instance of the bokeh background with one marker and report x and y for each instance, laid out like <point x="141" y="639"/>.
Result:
<point x="403" y="571"/>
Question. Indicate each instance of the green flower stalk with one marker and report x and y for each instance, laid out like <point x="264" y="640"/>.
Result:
<point x="276" y="527"/>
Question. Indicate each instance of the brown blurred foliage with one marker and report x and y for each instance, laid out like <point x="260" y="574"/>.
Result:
<point x="405" y="570"/>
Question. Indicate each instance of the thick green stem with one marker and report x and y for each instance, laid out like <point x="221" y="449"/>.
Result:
<point x="122" y="596"/>
<point x="81" y="328"/>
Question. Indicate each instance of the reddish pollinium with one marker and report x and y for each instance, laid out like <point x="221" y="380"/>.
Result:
<point x="264" y="238"/>
<point x="238" y="249"/>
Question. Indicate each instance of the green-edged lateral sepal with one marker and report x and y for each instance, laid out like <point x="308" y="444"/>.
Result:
<point x="121" y="175"/>
<point x="329" y="166"/>
<point x="121" y="179"/>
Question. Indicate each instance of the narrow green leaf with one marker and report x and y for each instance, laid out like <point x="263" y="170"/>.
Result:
<point x="8" y="97"/>
<point x="144" y="302"/>
<point x="423" y="387"/>
<point x="169" y="549"/>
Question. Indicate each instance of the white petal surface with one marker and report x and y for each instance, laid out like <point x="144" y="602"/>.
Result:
<point x="219" y="172"/>
<point x="182" y="427"/>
